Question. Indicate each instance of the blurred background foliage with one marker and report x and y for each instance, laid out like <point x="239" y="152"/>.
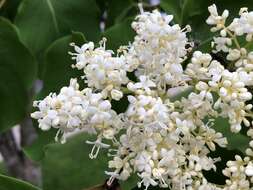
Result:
<point x="34" y="60"/>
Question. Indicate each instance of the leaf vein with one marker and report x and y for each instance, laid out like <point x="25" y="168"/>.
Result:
<point x="51" y="9"/>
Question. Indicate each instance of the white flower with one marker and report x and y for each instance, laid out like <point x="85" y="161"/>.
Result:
<point x="167" y="157"/>
<point x="146" y="109"/>
<point x="236" y="172"/>
<point x="159" y="48"/>
<point x="101" y="70"/>
<point x="216" y="19"/>
<point x="243" y="25"/>
<point x="142" y="162"/>
<point x="145" y="83"/>
<point x="198" y="67"/>
<point x="197" y="106"/>
<point x="215" y="71"/>
<point x="146" y="180"/>
<point x="122" y="168"/>
<point x="221" y="44"/>
<point x="249" y="169"/>
<point x="233" y="54"/>
<point x="65" y="111"/>
<point x="210" y="136"/>
<point x="116" y="94"/>
<point x="72" y="109"/>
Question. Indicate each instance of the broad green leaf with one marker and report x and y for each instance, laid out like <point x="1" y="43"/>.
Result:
<point x="3" y="170"/>
<point x="217" y="177"/>
<point x="68" y="166"/>
<point x="15" y="55"/>
<point x="9" y="183"/>
<point x="119" y="34"/>
<point x="13" y="98"/>
<point x="249" y="46"/>
<point x="130" y="182"/>
<point x="190" y="8"/>
<point x="172" y="7"/>
<point x="58" y="71"/>
<point x="129" y="12"/>
<point x="117" y="10"/>
<point x="36" y="151"/>
<point x="47" y="152"/>
<point x="43" y="21"/>
<point x="236" y="141"/>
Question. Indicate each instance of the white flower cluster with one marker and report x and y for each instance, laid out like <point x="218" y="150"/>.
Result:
<point x="101" y="70"/>
<point x="167" y="143"/>
<point x="73" y="109"/>
<point x="158" y="49"/>
<point x="244" y="24"/>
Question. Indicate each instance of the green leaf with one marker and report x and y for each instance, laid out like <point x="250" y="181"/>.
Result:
<point x="3" y="169"/>
<point x="15" y="55"/>
<point x="68" y="166"/>
<point x="183" y="10"/>
<point x="217" y="176"/>
<point x="58" y="71"/>
<point x="119" y="34"/>
<point x="190" y="8"/>
<point x="13" y="99"/>
<point x="47" y="152"/>
<point x="172" y="7"/>
<point x="43" y="21"/>
<point x="116" y="8"/>
<point x="249" y="46"/>
<point x="236" y="141"/>
<point x="36" y="151"/>
<point x="130" y="182"/>
<point x="17" y="74"/>
<point x="9" y="183"/>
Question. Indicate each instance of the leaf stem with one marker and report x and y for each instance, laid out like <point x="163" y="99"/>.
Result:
<point x="233" y="38"/>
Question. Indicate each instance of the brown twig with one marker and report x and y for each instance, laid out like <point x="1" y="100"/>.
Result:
<point x="17" y="164"/>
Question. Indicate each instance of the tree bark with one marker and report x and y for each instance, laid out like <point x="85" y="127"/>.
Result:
<point x="17" y="164"/>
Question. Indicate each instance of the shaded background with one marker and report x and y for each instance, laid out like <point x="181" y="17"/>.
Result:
<point x="34" y="60"/>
